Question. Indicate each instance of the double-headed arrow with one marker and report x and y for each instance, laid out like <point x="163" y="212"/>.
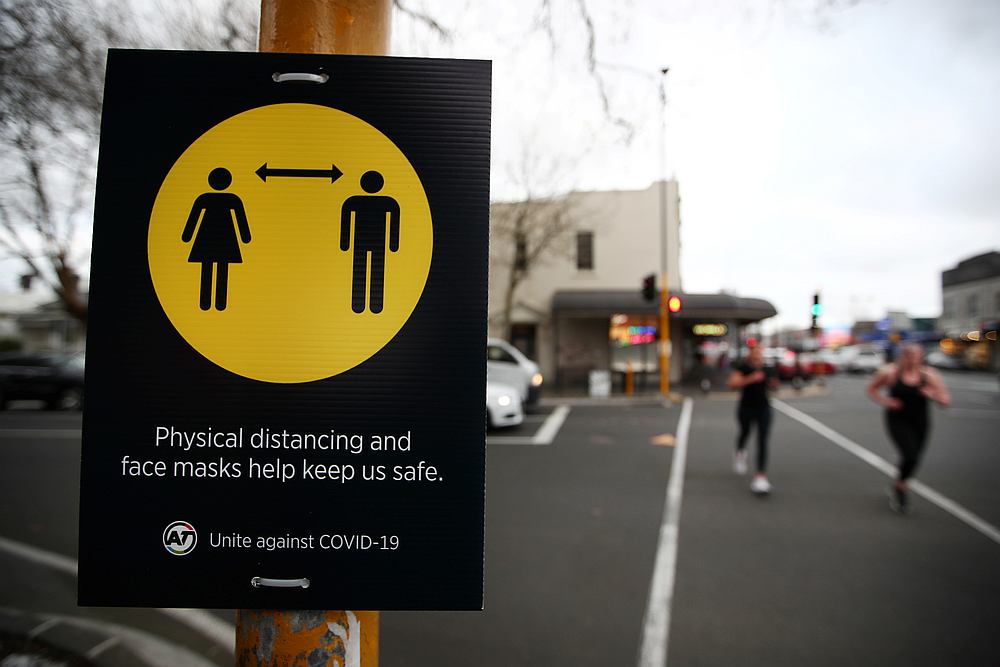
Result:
<point x="332" y="173"/>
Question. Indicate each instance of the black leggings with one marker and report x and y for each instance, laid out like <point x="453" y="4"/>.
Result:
<point x="909" y="435"/>
<point x="762" y="417"/>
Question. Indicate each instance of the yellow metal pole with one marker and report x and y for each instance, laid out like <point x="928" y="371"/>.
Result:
<point x="360" y="27"/>
<point x="344" y="638"/>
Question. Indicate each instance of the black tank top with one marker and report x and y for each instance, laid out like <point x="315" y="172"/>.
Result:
<point x="914" y="402"/>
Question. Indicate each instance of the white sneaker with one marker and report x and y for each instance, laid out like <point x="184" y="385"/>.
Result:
<point x="760" y="485"/>
<point x="740" y="462"/>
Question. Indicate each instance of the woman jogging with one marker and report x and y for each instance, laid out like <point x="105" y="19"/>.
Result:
<point x="910" y="385"/>
<point x="754" y="409"/>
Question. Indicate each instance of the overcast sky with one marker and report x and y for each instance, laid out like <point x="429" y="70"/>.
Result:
<point x="850" y="150"/>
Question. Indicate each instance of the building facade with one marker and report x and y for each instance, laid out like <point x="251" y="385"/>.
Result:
<point x="578" y="307"/>
<point x="970" y="294"/>
<point x="970" y="309"/>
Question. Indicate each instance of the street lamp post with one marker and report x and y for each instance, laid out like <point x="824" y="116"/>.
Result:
<point x="664" y="286"/>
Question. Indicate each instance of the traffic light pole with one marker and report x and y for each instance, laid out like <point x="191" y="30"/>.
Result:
<point x="347" y="638"/>
<point x="664" y="339"/>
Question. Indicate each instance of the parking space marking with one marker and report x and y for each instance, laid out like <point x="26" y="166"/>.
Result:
<point x="543" y="436"/>
<point x="874" y="460"/>
<point x="656" y="624"/>
<point x="547" y="433"/>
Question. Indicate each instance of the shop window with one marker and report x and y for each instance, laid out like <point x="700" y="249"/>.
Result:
<point x="585" y="251"/>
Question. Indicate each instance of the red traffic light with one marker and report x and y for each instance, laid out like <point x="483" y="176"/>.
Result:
<point x="674" y="304"/>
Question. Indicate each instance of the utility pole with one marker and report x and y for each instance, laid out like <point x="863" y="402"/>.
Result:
<point x="664" y="286"/>
<point x="347" y="638"/>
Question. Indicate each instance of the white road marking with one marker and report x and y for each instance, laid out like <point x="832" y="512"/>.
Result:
<point x="948" y="505"/>
<point x="656" y="626"/>
<point x="547" y="433"/>
<point x="544" y="436"/>
<point x="216" y="629"/>
<point x="51" y="560"/>
<point x="42" y="627"/>
<point x="102" y="647"/>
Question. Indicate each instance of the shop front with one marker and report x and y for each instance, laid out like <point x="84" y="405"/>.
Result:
<point x="618" y="331"/>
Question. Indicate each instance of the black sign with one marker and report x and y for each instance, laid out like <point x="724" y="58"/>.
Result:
<point x="286" y="350"/>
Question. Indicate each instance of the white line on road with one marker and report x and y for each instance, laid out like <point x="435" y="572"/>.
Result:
<point x="656" y="626"/>
<point x="883" y="466"/>
<point x="544" y="436"/>
<point x="547" y="433"/>
<point x="216" y="629"/>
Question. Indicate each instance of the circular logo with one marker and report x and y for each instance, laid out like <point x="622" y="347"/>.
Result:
<point x="180" y="538"/>
<point x="290" y="243"/>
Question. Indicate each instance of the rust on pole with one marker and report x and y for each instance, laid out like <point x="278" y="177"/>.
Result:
<point x="280" y="638"/>
<point x="342" y="638"/>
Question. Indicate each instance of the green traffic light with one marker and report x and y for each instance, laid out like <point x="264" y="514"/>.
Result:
<point x="817" y="310"/>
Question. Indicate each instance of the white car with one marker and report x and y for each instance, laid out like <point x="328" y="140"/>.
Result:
<point x="863" y="360"/>
<point x="508" y="365"/>
<point x="503" y="405"/>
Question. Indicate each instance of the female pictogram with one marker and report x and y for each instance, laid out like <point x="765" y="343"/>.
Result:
<point x="215" y="243"/>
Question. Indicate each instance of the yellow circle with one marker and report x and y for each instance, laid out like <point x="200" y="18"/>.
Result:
<point x="290" y="293"/>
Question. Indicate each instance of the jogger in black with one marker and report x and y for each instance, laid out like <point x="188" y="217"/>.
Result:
<point x="754" y="411"/>
<point x="907" y="414"/>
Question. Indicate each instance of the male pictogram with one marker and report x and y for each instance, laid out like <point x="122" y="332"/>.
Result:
<point x="215" y="241"/>
<point x="370" y="213"/>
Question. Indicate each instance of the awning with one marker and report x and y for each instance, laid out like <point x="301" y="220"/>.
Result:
<point x="605" y="303"/>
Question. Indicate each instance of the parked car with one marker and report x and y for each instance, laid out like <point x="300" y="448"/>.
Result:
<point x="786" y="364"/>
<point x="816" y="364"/>
<point x="503" y="405"/>
<point x="939" y="359"/>
<point x="56" y="379"/>
<point x="863" y="360"/>
<point x="508" y="365"/>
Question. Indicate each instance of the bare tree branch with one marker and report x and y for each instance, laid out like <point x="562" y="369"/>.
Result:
<point x="441" y="32"/>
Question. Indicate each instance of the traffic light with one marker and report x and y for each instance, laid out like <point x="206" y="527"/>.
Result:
<point x="674" y="304"/>
<point x="816" y="310"/>
<point x="649" y="287"/>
